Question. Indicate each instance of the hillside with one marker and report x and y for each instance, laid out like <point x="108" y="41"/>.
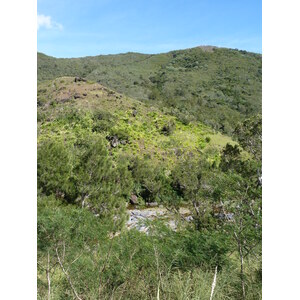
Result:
<point x="138" y="201"/>
<point x="216" y="86"/>
<point x="69" y="109"/>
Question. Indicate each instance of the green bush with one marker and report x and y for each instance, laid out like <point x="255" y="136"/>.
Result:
<point x="55" y="169"/>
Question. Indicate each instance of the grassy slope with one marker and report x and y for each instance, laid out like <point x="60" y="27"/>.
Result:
<point x="142" y="132"/>
<point x="218" y="87"/>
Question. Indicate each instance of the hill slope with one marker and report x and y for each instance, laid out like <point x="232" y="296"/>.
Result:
<point x="216" y="86"/>
<point x="70" y="110"/>
<point x="97" y="151"/>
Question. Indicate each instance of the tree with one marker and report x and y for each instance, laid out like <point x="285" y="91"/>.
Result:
<point x="187" y="179"/>
<point x="249" y="135"/>
<point x="149" y="179"/>
<point x="100" y="187"/>
<point x="55" y="169"/>
<point x="230" y="159"/>
<point x="241" y="199"/>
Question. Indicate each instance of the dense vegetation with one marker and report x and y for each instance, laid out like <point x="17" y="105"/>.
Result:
<point x="217" y="86"/>
<point x="97" y="148"/>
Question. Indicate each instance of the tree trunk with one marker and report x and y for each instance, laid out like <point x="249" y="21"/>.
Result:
<point x="213" y="284"/>
<point x="48" y="277"/>
<point x="242" y="272"/>
<point x="242" y="265"/>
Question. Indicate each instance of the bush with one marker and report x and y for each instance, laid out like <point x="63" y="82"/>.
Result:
<point x="55" y="169"/>
<point x="168" y="128"/>
<point x="207" y="139"/>
<point x="150" y="180"/>
<point x="99" y="184"/>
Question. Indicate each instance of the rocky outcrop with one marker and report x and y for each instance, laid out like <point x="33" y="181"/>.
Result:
<point x="77" y="79"/>
<point x="138" y="217"/>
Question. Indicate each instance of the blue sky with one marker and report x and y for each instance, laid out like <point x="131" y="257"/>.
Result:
<point x="80" y="28"/>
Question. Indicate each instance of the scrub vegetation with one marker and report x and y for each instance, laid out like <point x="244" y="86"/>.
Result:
<point x="181" y="129"/>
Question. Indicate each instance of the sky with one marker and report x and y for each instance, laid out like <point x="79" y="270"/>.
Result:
<point x="68" y="28"/>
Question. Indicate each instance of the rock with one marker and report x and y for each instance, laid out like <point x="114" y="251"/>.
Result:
<point x="152" y="204"/>
<point x="134" y="112"/>
<point x="230" y="216"/>
<point x="65" y="100"/>
<point x="139" y="218"/>
<point x="114" y="142"/>
<point x="172" y="224"/>
<point x="77" y="96"/>
<point x="77" y="79"/>
<point x="189" y="218"/>
<point x="123" y="142"/>
<point x="227" y="216"/>
<point x="134" y="200"/>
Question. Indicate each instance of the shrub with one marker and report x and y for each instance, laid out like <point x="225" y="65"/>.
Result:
<point x="168" y="128"/>
<point x="55" y="169"/>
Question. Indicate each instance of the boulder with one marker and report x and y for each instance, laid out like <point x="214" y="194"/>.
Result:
<point x="77" y="96"/>
<point x="134" y="199"/>
<point x="77" y="79"/>
<point x="134" y="112"/>
<point x="152" y="204"/>
<point x="114" y="142"/>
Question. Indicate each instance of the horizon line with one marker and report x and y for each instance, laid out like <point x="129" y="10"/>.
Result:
<point x="200" y="46"/>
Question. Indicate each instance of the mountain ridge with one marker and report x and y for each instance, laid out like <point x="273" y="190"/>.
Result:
<point x="203" y="47"/>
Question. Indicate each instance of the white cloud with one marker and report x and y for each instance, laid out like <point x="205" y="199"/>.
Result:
<point x="45" y="21"/>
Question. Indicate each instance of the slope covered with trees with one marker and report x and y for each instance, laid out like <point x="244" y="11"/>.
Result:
<point x="217" y="86"/>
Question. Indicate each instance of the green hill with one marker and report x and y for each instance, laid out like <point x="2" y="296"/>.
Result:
<point x="69" y="110"/>
<point x="216" y="86"/>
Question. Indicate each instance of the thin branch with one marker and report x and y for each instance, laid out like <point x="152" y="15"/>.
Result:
<point x="67" y="275"/>
<point x="214" y="284"/>
<point x="64" y="251"/>
<point x="158" y="270"/>
<point x="242" y="264"/>
<point x="48" y="277"/>
<point x="76" y="258"/>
